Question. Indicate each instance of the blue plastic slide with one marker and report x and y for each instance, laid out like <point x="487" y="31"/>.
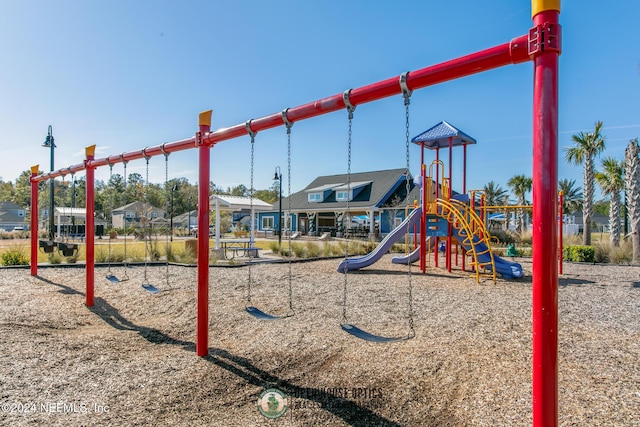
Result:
<point x="507" y="269"/>
<point x="373" y="256"/>
<point x="413" y="256"/>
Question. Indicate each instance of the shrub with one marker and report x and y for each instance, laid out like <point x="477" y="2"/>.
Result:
<point x="313" y="250"/>
<point x="330" y="250"/>
<point x="622" y="254"/>
<point x="298" y="250"/>
<point x="602" y="252"/>
<point x="14" y="257"/>
<point x="54" y="258"/>
<point x="239" y="234"/>
<point x="504" y="237"/>
<point x="579" y="253"/>
<point x="526" y="238"/>
<point x="275" y="247"/>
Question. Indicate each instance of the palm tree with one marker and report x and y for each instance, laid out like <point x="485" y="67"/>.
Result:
<point x="520" y="185"/>
<point x="587" y="146"/>
<point x="632" y="189"/>
<point x="611" y="182"/>
<point x="572" y="196"/>
<point x="493" y="193"/>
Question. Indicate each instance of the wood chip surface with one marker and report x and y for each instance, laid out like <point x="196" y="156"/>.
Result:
<point x="130" y="359"/>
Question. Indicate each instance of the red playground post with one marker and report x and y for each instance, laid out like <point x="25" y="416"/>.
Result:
<point x="90" y="234"/>
<point x="204" y="158"/>
<point x="544" y="48"/>
<point x="34" y="220"/>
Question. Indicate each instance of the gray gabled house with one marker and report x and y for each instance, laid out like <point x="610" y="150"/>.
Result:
<point x="12" y="216"/>
<point x="131" y="215"/>
<point x="329" y="205"/>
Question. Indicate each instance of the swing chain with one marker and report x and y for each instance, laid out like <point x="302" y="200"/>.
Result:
<point x="406" y="93"/>
<point x="111" y="203"/>
<point x="289" y="124"/>
<point x="168" y="197"/>
<point x="124" y="261"/>
<point x="252" y="134"/>
<point x="350" y="109"/>
<point x="146" y="200"/>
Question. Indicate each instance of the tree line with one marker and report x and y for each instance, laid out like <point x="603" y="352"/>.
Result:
<point x="176" y="196"/>
<point x="613" y="177"/>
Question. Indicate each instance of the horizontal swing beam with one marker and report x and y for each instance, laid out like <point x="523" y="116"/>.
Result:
<point x="513" y="52"/>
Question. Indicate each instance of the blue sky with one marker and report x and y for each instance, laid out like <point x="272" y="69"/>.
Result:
<point x="128" y="74"/>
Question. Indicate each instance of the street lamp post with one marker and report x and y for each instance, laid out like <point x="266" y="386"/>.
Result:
<point x="48" y="142"/>
<point x="278" y="176"/>
<point x="173" y="189"/>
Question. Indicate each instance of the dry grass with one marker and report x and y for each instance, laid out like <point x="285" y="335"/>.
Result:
<point x="469" y="365"/>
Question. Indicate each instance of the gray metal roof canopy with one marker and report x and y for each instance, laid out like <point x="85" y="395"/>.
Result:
<point x="438" y="137"/>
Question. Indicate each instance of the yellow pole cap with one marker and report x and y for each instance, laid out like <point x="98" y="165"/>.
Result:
<point x="90" y="151"/>
<point x="538" y="6"/>
<point x="204" y="118"/>
<point x="35" y="169"/>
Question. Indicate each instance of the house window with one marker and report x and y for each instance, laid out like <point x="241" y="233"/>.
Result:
<point x="326" y="222"/>
<point x="130" y="215"/>
<point x="342" y="195"/>
<point x="315" y="197"/>
<point x="267" y="222"/>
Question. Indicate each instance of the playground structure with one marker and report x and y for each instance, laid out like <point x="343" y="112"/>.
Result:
<point x="541" y="45"/>
<point x="441" y="215"/>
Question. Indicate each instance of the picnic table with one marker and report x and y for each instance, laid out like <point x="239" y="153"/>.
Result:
<point x="235" y="247"/>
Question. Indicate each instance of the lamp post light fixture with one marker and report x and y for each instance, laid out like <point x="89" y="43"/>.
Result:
<point x="278" y="176"/>
<point x="48" y="142"/>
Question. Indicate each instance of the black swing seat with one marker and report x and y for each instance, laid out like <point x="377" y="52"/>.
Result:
<point x="47" y="246"/>
<point x="112" y="278"/>
<point x="257" y="313"/>
<point x="364" y="335"/>
<point x="150" y="288"/>
<point x="68" y="249"/>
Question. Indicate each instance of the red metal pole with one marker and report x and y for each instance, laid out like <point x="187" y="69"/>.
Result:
<point x="464" y="191"/>
<point x="34" y="221"/>
<point x="450" y="227"/>
<point x="204" y="159"/>
<point x="89" y="225"/>
<point x="423" y="217"/>
<point x="560" y="231"/>
<point x="545" y="48"/>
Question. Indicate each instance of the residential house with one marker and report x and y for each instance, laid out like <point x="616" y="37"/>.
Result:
<point x="187" y="220"/>
<point x="12" y="216"/>
<point x="132" y="215"/>
<point x="336" y="204"/>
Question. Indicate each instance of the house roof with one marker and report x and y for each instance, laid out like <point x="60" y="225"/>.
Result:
<point x="65" y="211"/>
<point x="134" y="206"/>
<point x="236" y="203"/>
<point x="438" y="136"/>
<point x="185" y="216"/>
<point x="376" y="188"/>
<point x="10" y="206"/>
